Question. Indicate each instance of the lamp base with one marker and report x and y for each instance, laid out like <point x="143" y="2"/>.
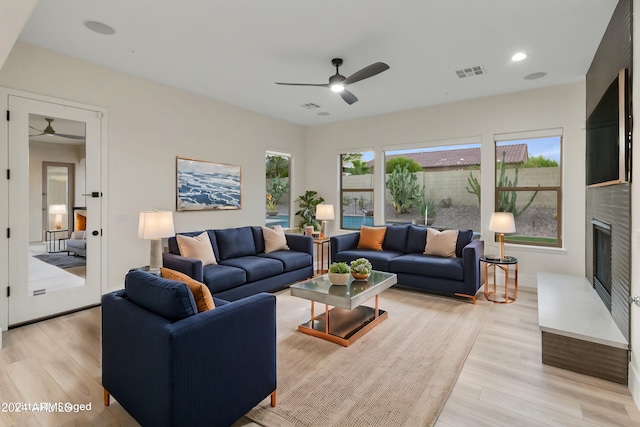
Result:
<point x="323" y="232"/>
<point x="501" y="238"/>
<point x="155" y="259"/>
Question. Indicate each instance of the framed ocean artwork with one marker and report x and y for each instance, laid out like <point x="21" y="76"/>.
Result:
<point x="203" y="185"/>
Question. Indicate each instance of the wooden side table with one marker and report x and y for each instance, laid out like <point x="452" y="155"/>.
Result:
<point x="319" y="245"/>
<point x="504" y="264"/>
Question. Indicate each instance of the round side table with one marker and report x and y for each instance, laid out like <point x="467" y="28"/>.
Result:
<point x="504" y="264"/>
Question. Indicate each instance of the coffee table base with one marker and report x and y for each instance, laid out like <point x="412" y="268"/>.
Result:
<point x="345" y="326"/>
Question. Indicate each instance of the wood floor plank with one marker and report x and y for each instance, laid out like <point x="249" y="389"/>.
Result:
<point x="36" y="385"/>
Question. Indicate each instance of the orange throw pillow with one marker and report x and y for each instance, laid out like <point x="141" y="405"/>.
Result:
<point x="200" y="291"/>
<point x="371" y="237"/>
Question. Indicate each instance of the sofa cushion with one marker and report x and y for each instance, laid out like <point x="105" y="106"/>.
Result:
<point x="197" y="247"/>
<point x="379" y="259"/>
<point x="235" y="242"/>
<point x="371" y="237"/>
<point x="428" y="265"/>
<point x="256" y="268"/>
<point x="291" y="260"/>
<point x="221" y="277"/>
<point x="464" y="238"/>
<point x="167" y="298"/>
<point x="416" y="239"/>
<point x="200" y="291"/>
<point x="441" y="243"/>
<point x="395" y="239"/>
<point x="274" y="239"/>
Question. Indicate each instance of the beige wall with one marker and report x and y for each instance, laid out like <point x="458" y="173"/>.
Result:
<point x="15" y="14"/>
<point x="475" y="121"/>
<point x="149" y="124"/>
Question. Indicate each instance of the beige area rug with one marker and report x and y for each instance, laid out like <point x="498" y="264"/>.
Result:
<point x="398" y="374"/>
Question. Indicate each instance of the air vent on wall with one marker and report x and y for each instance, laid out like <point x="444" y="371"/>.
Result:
<point x="310" y="106"/>
<point x="471" y="71"/>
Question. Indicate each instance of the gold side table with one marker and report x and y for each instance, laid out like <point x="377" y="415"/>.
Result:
<point x="319" y="243"/>
<point x="503" y="264"/>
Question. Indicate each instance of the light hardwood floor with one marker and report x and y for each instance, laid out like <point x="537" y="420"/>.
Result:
<point x="503" y="382"/>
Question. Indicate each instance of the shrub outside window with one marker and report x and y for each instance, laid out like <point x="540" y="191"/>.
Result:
<point x="529" y="185"/>
<point x="439" y="183"/>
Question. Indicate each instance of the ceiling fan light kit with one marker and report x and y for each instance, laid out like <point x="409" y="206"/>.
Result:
<point x="338" y="82"/>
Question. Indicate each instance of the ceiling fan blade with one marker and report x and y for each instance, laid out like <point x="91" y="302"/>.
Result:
<point x="64" y="135"/>
<point x="348" y="97"/>
<point x="303" y="84"/>
<point x="31" y="127"/>
<point x="366" y="72"/>
<point x="38" y="134"/>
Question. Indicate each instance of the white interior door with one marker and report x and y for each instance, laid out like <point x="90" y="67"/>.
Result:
<point x="39" y="289"/>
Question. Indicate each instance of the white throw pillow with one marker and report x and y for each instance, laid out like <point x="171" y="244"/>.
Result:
<point x="274" y="239"/>
<point x="198" y="247"/>
<point x="441" y="243"/>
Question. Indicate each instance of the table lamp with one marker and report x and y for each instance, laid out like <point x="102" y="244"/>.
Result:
<point x="58" y="211"/>
<point x="154" y="226"/>
<point x="324" y="213"/>
<point x="502" y="222"/>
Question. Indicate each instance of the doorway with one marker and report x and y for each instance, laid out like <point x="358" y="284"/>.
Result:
<point x="55" y="155"/>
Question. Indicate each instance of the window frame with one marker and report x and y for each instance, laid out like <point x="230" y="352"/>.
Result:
<point x="512" y="138"/>
<point x="289" y="157"/>
<point x="352" y="190"/>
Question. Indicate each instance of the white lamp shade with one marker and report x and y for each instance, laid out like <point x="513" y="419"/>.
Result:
<point x="324" y="212"/>
<point x="156" y="225"/>
<point x="502" y="222"/>
<point x="58" y="209"/>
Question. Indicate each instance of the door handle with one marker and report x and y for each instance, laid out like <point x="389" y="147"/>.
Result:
<point x="95" y="232"/>
<point x="93" y="194"/>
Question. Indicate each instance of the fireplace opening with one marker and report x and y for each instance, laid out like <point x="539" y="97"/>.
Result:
<point x="602" y="260"/>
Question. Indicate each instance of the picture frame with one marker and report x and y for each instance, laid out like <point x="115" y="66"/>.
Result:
<point x="203" y="185"/>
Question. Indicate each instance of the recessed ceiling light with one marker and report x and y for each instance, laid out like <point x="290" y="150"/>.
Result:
<point x="519" y="56"/>
<point x="534" y="76"/>
<point x="99" y="27"/>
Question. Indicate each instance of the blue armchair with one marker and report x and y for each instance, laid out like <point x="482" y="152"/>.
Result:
<point x="168" y="365"/>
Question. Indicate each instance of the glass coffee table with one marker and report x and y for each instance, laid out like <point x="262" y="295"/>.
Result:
<point x="348" y="320"/>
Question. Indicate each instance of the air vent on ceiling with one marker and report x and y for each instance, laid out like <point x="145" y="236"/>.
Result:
<point x="471" y="71"/>
<point x="310" y="106"/>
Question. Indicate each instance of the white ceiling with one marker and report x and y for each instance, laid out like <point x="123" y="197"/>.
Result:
<point x="234" y="50"/>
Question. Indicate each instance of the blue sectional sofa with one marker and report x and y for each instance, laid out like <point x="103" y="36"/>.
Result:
<point x="243" y="267"/>
<point x="169" y="365"/>
<point x="403" y="253"/>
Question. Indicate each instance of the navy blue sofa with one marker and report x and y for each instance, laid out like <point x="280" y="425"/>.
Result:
<point x="243" y="268"/>
<point x="402" y="253"/>
<point x="168" y="365"/>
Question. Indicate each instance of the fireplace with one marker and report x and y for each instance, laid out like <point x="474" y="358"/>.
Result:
<point x="602" y="260"/>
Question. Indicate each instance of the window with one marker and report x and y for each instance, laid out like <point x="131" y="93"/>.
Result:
<point x="278" y="198"/>
<point x="528" y="184"/>
<point x="437" y="183"/>
<point x="356" y="190"/>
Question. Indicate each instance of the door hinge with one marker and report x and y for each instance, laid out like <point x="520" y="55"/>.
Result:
<point x="8" y="115"/>
<point x="8" y="173"/>
<point x="8" y="232"/>
<point x="8" y="291"/>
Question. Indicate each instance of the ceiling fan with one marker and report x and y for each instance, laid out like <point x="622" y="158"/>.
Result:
<point x="49" y="131"/>
<point x="338" y="82"/>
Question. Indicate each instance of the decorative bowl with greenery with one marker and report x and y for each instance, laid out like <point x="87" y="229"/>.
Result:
<point x="339" y="273"/>
<point x="360" y="268"/>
